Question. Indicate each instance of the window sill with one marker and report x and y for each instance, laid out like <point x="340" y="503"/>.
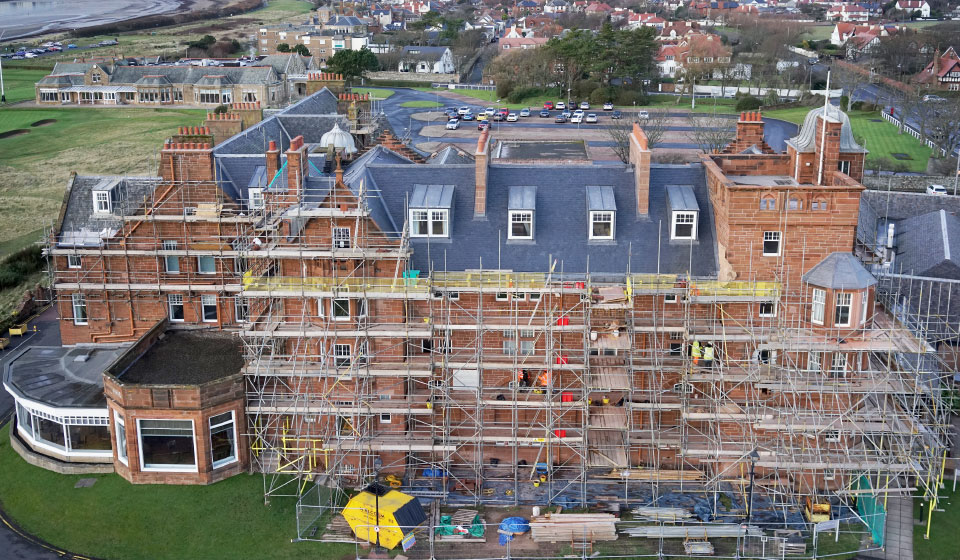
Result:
<point x="79" y="324"/>
<point x="171" y="468"/>
<point x="224" y="463"/>
<point x="211" y="321"/>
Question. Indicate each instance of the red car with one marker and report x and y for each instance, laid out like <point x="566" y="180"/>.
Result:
<point x="504" y="111"/>
<point x="548" y="105"/>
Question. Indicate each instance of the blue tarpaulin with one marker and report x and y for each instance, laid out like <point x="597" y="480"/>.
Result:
<point x="512" y="525"/>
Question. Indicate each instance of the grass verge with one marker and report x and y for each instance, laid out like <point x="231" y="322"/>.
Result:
<point x="115" y="519"/>
<point x="376" y="93"/>
<point x="36" y="165"/>
<point x="421" y="104"/>
<point x="881" y="138"/>
<point x="942" y="544"/>
<point x="489" y="97"/>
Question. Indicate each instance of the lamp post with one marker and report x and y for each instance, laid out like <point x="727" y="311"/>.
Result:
<point x="753" y="456"/>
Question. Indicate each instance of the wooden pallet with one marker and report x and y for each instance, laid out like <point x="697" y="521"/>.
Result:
<point x="571" y="527"/>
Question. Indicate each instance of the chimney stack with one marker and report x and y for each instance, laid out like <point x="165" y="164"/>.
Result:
<point x="482" y="157"/>
<point x="273" y="162"/>
<point x="296" y="167"/>
<point x="640" y="160"/>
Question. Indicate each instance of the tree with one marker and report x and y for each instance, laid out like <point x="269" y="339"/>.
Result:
<point x="711" y="133"/>
<point x="850" y="80"/>
<point x="353" y="64"/>
<point x="301" y="50"/>
<point x="654" y="127"/>
<point x="283" y="47"/>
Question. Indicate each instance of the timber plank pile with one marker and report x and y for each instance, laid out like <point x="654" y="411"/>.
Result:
<point x="568" y="527"/>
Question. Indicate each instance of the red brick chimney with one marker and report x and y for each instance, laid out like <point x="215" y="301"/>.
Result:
<point x="482" y="157"/>
<point x="296" y="167"/>
<point x="829" y="145"/>
<point x="273" y="162"/>
<point x="640" y="160"/>
<point x="749" y="133"/>
<point x="186" y="161"/>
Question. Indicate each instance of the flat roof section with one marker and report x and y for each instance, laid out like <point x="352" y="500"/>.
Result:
<point x="61" y="376"/>
<point x="515" y="150"/>
<point x="187" y="358"/>
<point x="764" y="180"/>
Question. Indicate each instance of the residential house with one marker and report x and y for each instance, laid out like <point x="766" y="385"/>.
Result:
<point x="848" y="12"/>
<point x="522" y="43"/>
<point x="913" y="6"/>
<point x="556" y="7"/>
<point x="943" y="72"/>
<point x="426" y="60"/>
<point x="636" y="21"/>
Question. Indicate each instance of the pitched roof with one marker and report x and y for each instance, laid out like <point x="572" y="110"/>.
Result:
<point x="840" y="271"/>
<point x="928" y="245"/>
<point x="431" y="54"/>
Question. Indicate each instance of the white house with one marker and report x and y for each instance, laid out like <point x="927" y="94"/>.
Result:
<point x="848" y="12"/>
<point x="426" y="60"/>
<point x="911" y="6"/>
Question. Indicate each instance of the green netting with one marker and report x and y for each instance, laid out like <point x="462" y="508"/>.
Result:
<point x="871" y="510"/>
<point x="446" y="527"/>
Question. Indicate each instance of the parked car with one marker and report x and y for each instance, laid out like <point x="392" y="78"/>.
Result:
<point x="811" y="61"/>
<point x="548" y="105"/>
<point x="489" y="111"/>
<point x="608" y="106"/>
<point x="504" y="111"/>
<point x="467" y="116"/>
<point x="591" y="118"/>
<point x="463" y="110"/>
<point x="643" y="115"/>
<point x="525" y="112"/>
<point x="616" y="115"/>
<point x="30" y="55"/>
<point x="544" y="114"/>
<point x="482" y="117"/>
<point x="561" y="105"/>
<point x="483" y="125"/>
<point x="498" y="117"/>
<point x="577" y="118"/>
<point x="512" y="117"/>
<point x="453" y="124"/>
<point x="584" y="105"/>
<point x="560" y="119"/>
<point x="578" y="111"/>
<point x="933" y="98"/>
<point x="566" y="114"/>
<point x="936" y="189"/>
<point x="71" y="46"/>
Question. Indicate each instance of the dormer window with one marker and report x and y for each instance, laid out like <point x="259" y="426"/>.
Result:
<point x="101" y="202"/>
<point x="256" y="199"/>
<point x="521" y="205"/>
<point x="430" y="208"/>
<point x="602" y="209"/>
<point x="684" y="211"/>
<point x="95" y="77"/>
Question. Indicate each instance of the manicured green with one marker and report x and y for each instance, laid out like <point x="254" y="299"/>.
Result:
<point x="421" y="104"/>
<point x="18" y="83"/>
<point x="376" y="93"/>
<point x="943" y="531"/>
<point x="116" y="519"/>
<point x="881" y="138"/>
<point x="294" y="6"/>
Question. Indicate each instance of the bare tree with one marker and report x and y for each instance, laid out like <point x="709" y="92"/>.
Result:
<point x="711" y="133"/>
<point x="654" y="127"/>
<point x="619" y="132"/>
<point x="850" y="80"/>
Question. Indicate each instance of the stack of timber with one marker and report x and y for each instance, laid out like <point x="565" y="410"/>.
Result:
<point x="669" y="514"/>
<point x="692" y="531"/>
<point x="566" y="527"/>
<point x="653" y="474"/>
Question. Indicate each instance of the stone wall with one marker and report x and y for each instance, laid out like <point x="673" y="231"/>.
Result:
<point x="909" y="183"/>
<point x="413" y="77"/>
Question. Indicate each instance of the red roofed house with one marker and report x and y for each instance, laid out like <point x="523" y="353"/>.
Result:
<point x="598" y="8"/>
<point x="848" y="12"/>
<point x="911" y="6"/>
<point x="636" y="21"/>
<point x="943" y="72"/>
<point x="522" y="43"/>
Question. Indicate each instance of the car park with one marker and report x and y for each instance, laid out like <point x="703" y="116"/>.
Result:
<point x="560" y="119"/>
<point x="512" y="117"/>
<point x="608" y="106"/>
<point x="591" y="118"/>
<point x="566" y="114"/>
<point x="936" y="189"/>
<point x="616" y="115"/>
<point x="548" y="105"/>
<point x="584" y="105"/>
<point x="643" y="115"/>
<point x="577" y="119"/>
<point x="467" y="116"/>
<point x="544" y="114"/>
<point x="561" y="105"/>
<point x="453" y="124"/>
<point x="489" y="111"/>
<point x="525" y="112"/>
<point x="463" y="110"/>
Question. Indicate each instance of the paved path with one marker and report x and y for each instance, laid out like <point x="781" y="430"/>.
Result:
<point x="898" y="540"/>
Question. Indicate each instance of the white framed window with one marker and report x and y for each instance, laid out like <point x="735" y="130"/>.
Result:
<point x="341" y="355"/>
<point x="670" y="298"/>
<point x="815" y="362"/>
<point x="527" y="347"/>
<point x="79" y="302"/>
<point x="684" y="225"/>
<point x="768" y="309"/>
<point x="771" y="243"/>
<point x="240" y="309"/>
<point x="509" y="344"/>
<point x="521" y="224"/>
<point x="74" y="261"/>
<point x="166" y="445"/>
<point x="208" y="304"/>
<point x="223" y="439"/>
<point x="340" y="309"/>
<point x="533" y="296"/>
<point x="206" y="265"/>
<point x="502" y="296"/>
<point x="121" y="436"/>
<point x="101" y="202"/>
<point x="320" y="311"/>
<point x="601" y="225"/>
<point x="843" y="167"/>
<point x="386" y="418"/>
<point x="819" y="303"/>
<point x="838" y="365"/>
<point x="175" y="304"/>
<point x="170" y="262"/>
<point x="841" y="311"/>
<point x="256" y="199"/>
<point x="429" y="223"/>
<point x="341" y="238"/>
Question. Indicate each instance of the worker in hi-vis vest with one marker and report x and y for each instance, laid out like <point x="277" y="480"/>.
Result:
<point x="708" y="355"/>
<point x="696" y="351"/>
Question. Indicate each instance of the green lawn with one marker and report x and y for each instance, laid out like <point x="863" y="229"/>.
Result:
<point x="942" y="544"/>
<point x="18" y="83"/>
<point x="881" y="138"/>
<point x="35" y="166"/>
<point x="421" y="104"/>
<point x="116" y="519"/>
<point x="293" y="6"/>
<point x="376" y="93"/>
<point x="818" y="32"/>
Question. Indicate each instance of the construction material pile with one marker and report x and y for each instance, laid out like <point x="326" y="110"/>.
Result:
<point x="692" y="531"/>
<point x="564" y="527"/>
<point x="669" y="514"/>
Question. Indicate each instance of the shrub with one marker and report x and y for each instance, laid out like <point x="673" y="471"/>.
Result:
<point x="518" y="95"/>
<point x="602" y="95"/>
<point x="629" y="97"/>
<point x="584" y="88"/>
<point x="504" y="87"/>
<point x="857" y="105"/>
<point x="18" y="266"/>
<point x="748" y="103"/>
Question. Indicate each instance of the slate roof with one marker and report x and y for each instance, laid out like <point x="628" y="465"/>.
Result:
<point x="928" y="245"/>
<point x="52" y="375"/>
<point x="805" y="140"/>
<point x="840" y="271"/>
<point x="430" y="54"/>
<point x="81" y="226"/>
<point x="284" y="64"/>
<point x="450" y="154"/>
<point x="176" y="74"/>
